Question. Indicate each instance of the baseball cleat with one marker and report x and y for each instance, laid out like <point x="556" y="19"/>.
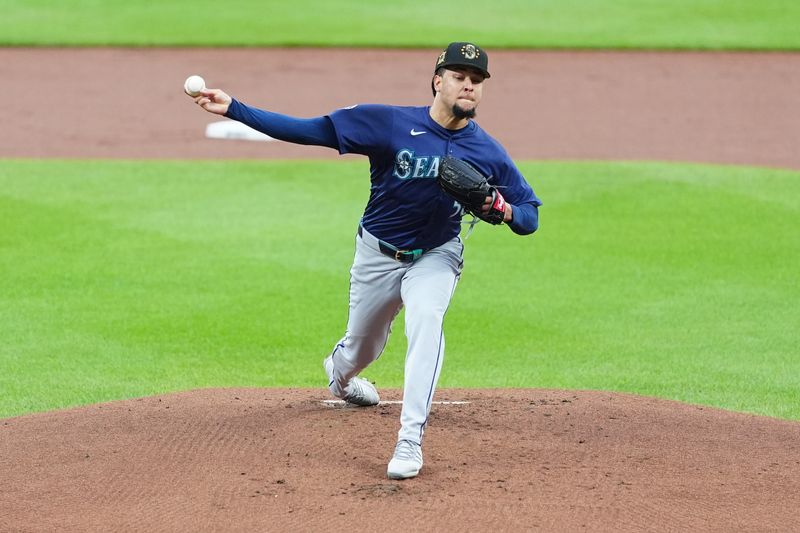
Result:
<point x="406" y="461"/>
<point x="358" y="392"/>
<point x="361" y="392"/>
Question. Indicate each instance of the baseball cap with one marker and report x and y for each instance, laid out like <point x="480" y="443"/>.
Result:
<point x="464" y="55"/>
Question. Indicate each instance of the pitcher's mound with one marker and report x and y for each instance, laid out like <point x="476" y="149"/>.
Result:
<point x="283" y="460"/>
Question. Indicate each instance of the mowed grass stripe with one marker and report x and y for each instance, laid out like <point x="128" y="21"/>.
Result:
<point x="123" y="279"/>
<point x="634" y="24"/>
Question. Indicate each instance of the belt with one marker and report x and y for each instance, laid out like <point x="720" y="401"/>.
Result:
<point x="404" y="256"/>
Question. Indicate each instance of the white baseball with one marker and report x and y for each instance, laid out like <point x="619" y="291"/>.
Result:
<point x="193" y="85"/>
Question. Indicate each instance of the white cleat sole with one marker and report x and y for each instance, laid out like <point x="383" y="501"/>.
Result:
<point x="402" y="474"/>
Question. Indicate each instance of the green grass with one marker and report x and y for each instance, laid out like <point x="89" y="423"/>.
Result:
<point x="124" y="279"/>
<point x="684" y="24"/>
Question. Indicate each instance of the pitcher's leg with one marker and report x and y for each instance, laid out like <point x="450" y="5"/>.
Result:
<point x="374" y="303"/>
<point x="427" y="289"/>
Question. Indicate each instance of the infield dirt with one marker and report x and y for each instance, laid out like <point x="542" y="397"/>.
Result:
<point x="510" y="460"/>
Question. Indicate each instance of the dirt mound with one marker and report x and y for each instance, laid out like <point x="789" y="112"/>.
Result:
<point x="283" y="460"/>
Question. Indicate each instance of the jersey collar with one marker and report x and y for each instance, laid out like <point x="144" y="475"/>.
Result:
<point x="466" y="131"/>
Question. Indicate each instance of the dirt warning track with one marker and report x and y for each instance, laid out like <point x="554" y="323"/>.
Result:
<point x="738" y="108"/>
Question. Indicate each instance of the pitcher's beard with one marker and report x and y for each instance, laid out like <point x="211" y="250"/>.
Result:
<point x="460" y="112"/>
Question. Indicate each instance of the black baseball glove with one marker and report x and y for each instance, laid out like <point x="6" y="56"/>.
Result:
<point x="470" y="188"/>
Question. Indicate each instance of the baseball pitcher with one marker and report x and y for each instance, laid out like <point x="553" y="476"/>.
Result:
<point x="428" y="167"/>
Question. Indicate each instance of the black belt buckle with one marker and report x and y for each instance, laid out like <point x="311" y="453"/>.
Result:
<point x="403" y="256"/>
<point x="407" y="256"/>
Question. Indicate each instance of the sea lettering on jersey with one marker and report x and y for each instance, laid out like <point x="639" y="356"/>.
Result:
<point x="409" y="166"/>
<point x="416" y="144"/>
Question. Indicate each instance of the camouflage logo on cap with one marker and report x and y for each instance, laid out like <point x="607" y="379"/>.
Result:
<point x="470" y="51"/>
<point x="441" y="58"/>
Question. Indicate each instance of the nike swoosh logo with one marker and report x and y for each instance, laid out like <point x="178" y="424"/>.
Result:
<point x="415" y="133"/>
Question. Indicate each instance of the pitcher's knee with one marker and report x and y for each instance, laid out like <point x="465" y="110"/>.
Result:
<point x="362" y="349"/>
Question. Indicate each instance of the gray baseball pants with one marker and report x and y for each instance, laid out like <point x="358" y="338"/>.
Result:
<point x="379" y="287"/>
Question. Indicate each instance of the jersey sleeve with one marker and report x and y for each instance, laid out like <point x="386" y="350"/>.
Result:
<point x="526" y="219"/>
<point x="363" y="129"/>
<point x="513" y="185"/>
<point x="318" y="131"/>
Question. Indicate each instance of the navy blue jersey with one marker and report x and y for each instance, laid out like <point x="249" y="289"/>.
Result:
<point x="404" y="144"/>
